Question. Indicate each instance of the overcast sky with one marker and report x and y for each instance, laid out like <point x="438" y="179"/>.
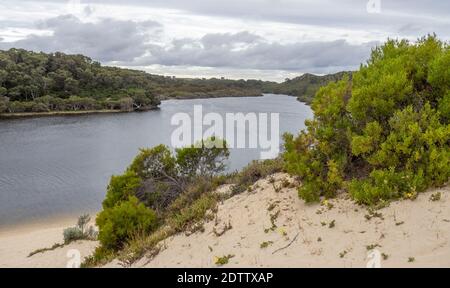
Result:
<point x="264" y="39"/>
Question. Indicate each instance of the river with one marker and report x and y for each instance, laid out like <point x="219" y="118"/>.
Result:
<point x="60" y="166"/>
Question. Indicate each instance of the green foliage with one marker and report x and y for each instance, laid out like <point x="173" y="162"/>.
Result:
<point x="120" y="188"/>
<point x="4" y="101"/>
<point x="381" y="185"/>
<point x="156" y="162"/>
<point x="306" y="86"/>
<point x="383" y="135"/>
<point x="205" y="159"/>
<point x="265" y="244"/>
<point x="121" y="222"/>
<point x="444" y="107"/>
<point x="220" y="261"/>
<point x="435" y="196"/>
<point x="324" y="146"/>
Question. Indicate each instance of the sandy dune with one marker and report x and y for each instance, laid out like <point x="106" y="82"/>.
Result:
<point x="405" y="234"/>
<point x="408" y="234"/>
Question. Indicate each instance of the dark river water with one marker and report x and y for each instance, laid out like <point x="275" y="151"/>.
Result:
<point x="55" y="166"/>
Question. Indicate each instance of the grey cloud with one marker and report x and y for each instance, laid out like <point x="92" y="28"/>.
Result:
<point x="217" y="50"/>
<point x="228" y="39"/>
<point x="431" y="15"/>
<point x="106" y="40"/>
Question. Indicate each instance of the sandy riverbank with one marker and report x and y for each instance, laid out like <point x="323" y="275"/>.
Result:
<point x="16" y="244"/>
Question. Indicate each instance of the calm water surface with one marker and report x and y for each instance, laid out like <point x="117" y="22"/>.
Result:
<point x="57" y="166"/>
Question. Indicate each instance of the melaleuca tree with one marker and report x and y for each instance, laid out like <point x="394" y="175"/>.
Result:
<point x="387" y="134"/>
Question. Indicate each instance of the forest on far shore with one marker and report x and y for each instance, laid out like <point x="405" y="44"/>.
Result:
<point x="39" y="82"/>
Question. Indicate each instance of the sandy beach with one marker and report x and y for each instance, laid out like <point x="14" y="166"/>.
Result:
<point x="18" y="242"/>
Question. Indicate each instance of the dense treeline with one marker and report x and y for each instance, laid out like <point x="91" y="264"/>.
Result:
<point x="385" y="133"/>
<point x="40" y="82"/>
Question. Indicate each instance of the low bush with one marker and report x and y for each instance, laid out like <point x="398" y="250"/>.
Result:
<point x="188" y="215"/>
<point x="80" y="232"/>
<point x="119" y="223"/>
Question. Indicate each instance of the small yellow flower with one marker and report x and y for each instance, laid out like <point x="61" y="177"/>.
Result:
<point x="282" y="231"/>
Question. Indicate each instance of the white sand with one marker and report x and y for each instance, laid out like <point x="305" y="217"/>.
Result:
<point x="424" y="233"/>
<point x="17" y="243"/>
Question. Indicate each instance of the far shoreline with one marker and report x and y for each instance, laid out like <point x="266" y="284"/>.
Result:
<point x="23" y="115"/>
<point x="56" y="113"/>
<point x="59" y="220"/>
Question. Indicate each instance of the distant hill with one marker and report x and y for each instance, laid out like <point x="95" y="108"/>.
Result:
<point x="306" y="86"/>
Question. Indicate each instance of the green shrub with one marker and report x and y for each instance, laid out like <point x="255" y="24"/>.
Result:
<point x="121" y="222"/>
<point x="384" y="133"/>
